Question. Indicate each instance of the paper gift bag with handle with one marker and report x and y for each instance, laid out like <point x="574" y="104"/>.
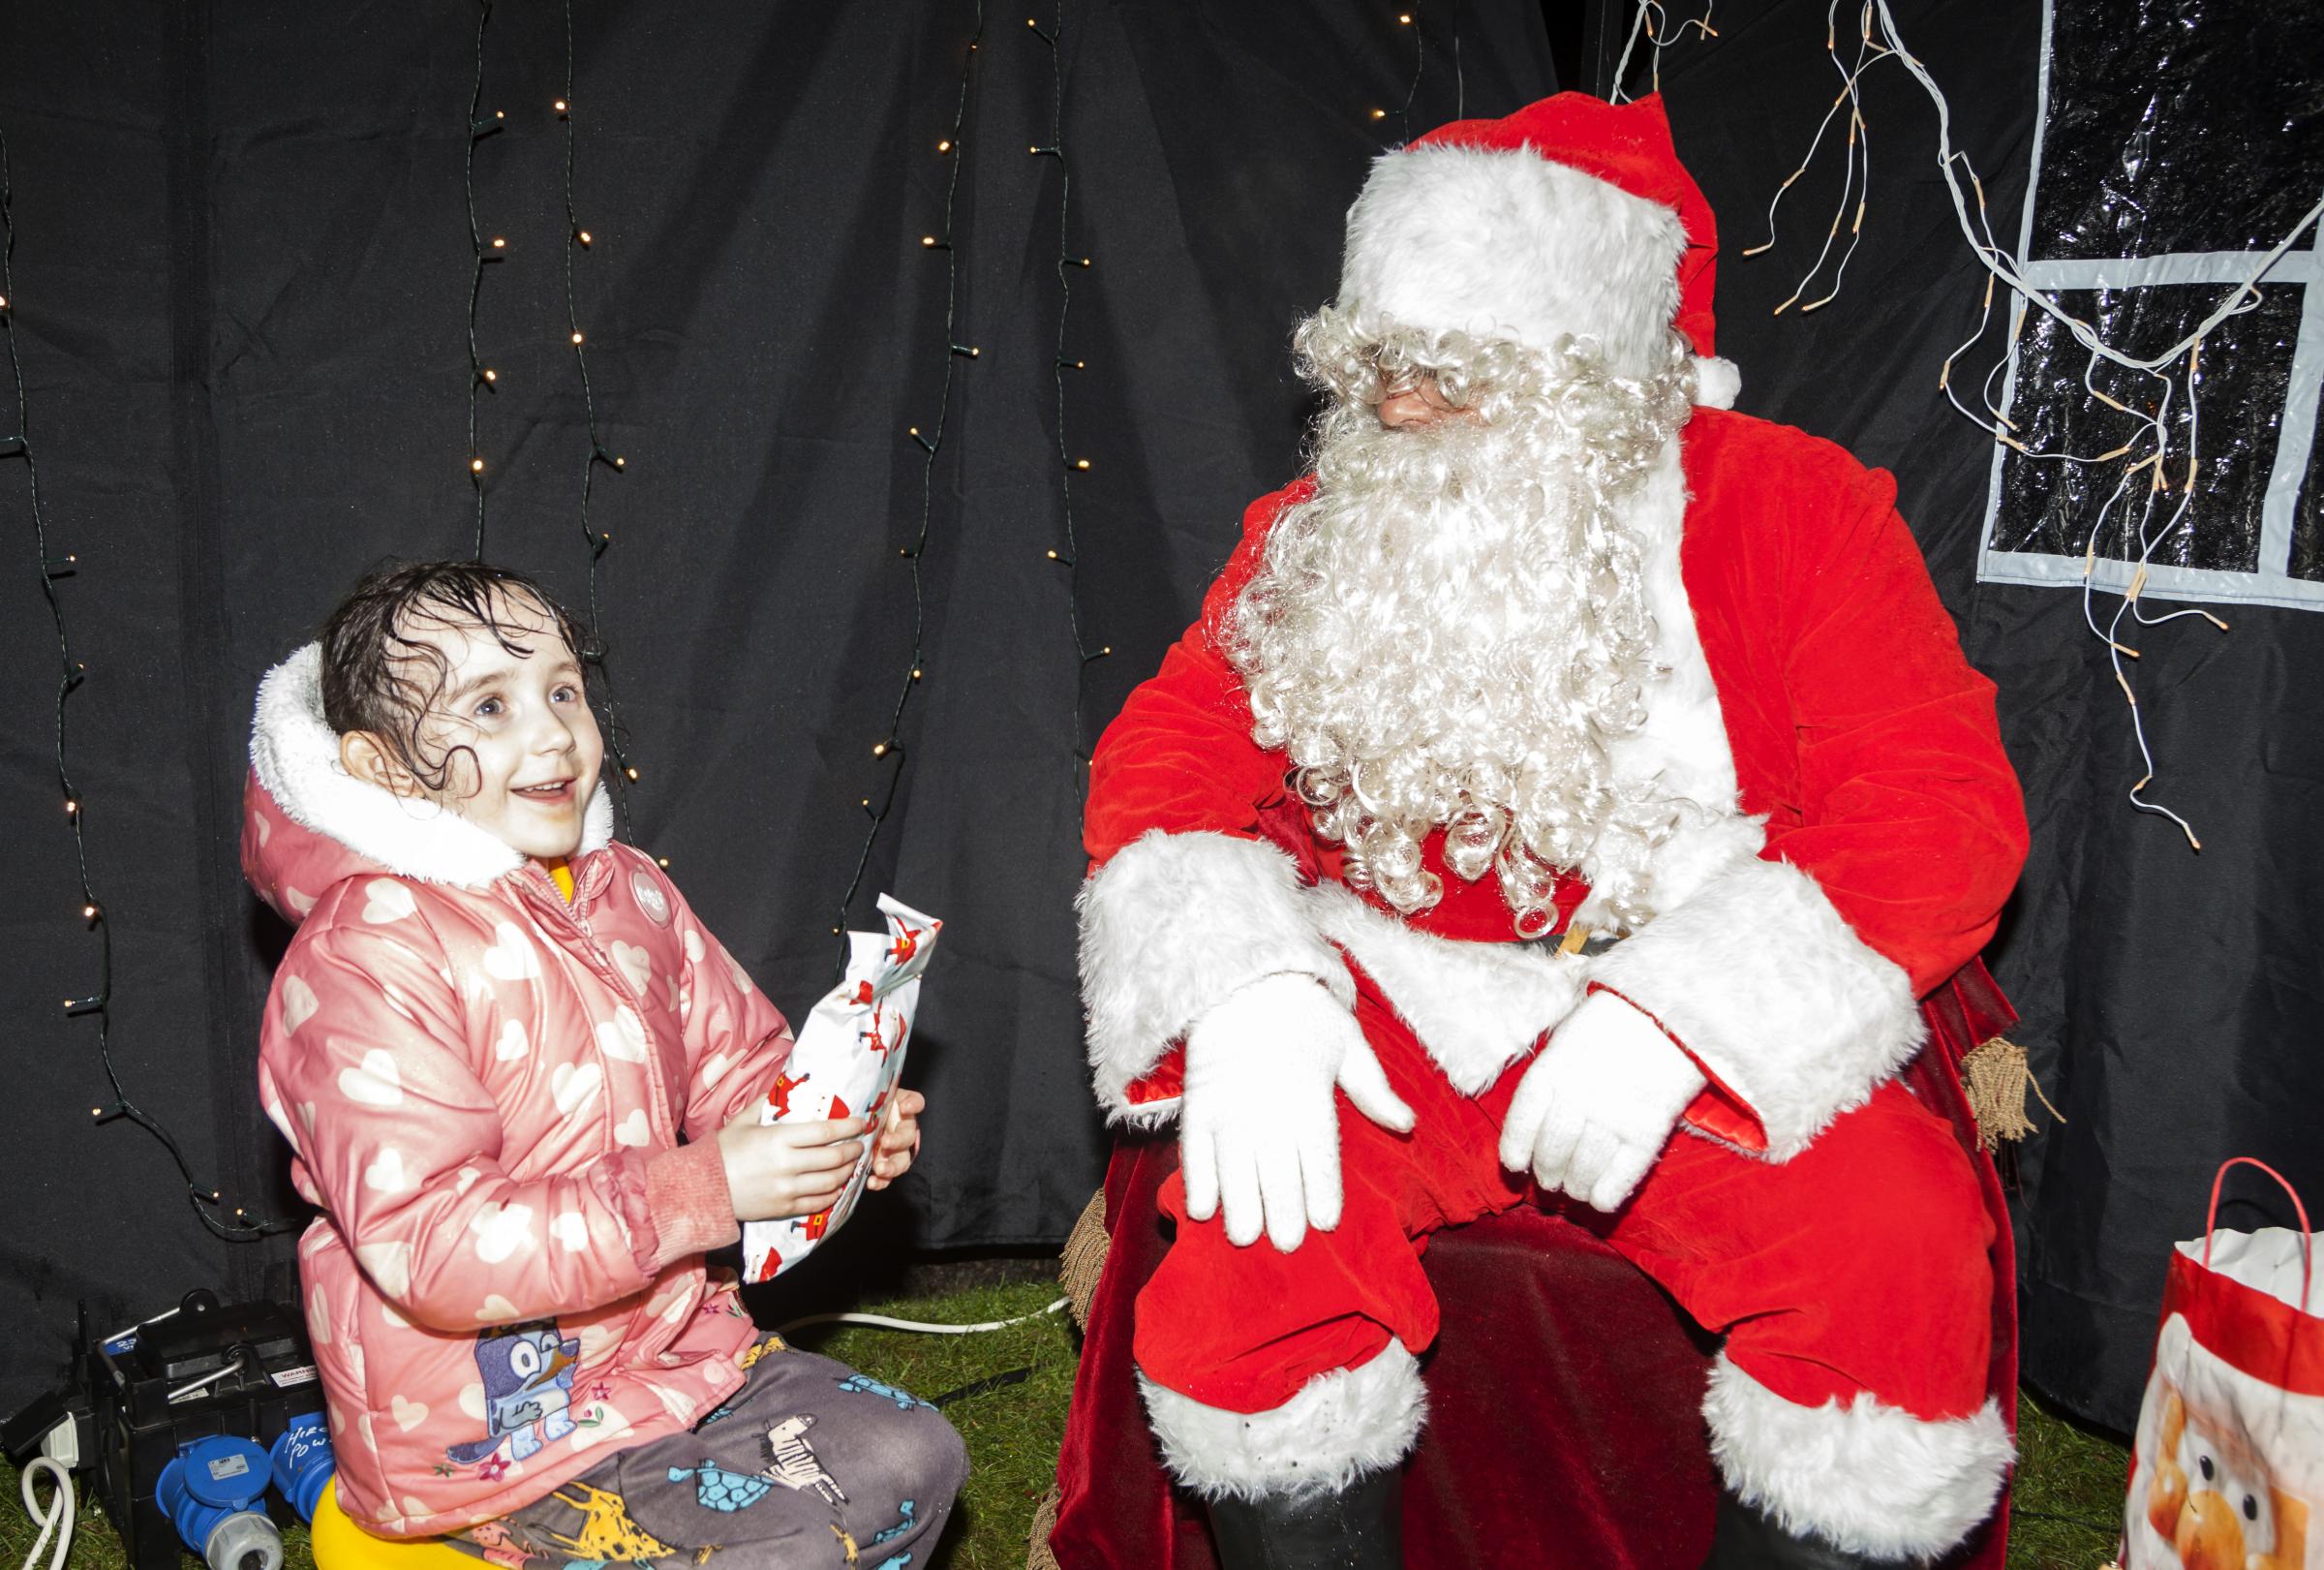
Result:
<point x="2227" y="1472"/>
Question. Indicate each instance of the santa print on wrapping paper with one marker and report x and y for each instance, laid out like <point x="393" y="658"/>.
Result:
<point x="846" y="1062"/>
<point x="816" y="1224"/>
<point x="815" y="1227"/>
<point x="527" y="1372"/>
<point x="778" y="1097"/>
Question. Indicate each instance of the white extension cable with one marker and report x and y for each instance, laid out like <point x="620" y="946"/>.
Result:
<point x="57" y="1519"/>
<point x="883" y="1322"/>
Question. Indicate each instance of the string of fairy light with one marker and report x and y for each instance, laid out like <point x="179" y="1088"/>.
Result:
<point x="2145" y="466"/>
<point x="1421" y="59"/>
<point x="594" y="541"/>
<point x="70" y="673"/>
<point x="929" y="439"/>
<point x="1068" y="263"/>
<point x="483" y="379"/>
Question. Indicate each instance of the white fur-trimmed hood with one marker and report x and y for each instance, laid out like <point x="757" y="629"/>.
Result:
<point x="295" y="758"/>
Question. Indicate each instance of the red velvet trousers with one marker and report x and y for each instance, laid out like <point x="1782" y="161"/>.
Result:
<point x="1861" y="1264"/>
<point x="1565" y="1427"/>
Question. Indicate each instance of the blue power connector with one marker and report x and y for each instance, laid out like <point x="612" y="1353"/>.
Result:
<point x="214" y="1492"/>
<point x="302" y="1463"/>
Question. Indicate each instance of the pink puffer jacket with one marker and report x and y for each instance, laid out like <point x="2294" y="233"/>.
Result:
<point x="486" y="1089"/>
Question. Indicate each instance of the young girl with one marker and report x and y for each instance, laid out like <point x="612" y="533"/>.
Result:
<point x="523" y="1085"/>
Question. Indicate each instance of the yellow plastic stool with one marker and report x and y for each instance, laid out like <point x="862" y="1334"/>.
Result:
<point x="342" y="1545"/>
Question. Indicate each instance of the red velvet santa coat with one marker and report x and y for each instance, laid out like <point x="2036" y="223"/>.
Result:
<point x="1787" y="970"/>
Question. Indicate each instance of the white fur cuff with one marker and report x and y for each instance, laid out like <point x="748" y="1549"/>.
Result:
<point x="1771" y="990"/>
<point x="1340" y="1426"/>
<point x="1476" y="1007"/>
<point x="1170" y="927"/>
<point x="1871" y="1479"/>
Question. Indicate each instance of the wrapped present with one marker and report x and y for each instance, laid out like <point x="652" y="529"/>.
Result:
<point x="845" y="1063"/>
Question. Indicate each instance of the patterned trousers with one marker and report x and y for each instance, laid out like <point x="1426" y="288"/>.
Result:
<point x="808" y="1463"/>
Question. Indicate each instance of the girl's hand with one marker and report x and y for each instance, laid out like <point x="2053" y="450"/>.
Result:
<point x="898" y="1139"/>
<point x="774" y="1171"/>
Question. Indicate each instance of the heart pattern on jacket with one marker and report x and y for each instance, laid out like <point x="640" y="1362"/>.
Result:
<point x="511" y="956"/>
<point x="575" y="1085"/>
<point x="385" y="900"/>
<point x="389" y="1264"/>
<point x="299" y="1002"/>
<point x="636" y="964"/>
<point x="623" y="1036"/>
<point x="375" y="1082"/>
<point x="387" y="1175"/>
<point x="501" y="1230"/>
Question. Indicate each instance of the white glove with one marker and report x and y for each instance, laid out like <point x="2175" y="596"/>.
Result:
<point x="1257" y="1126"/>
<point x="1595" y="1110"/>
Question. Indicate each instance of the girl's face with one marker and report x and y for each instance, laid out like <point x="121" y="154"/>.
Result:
<point x="521" y="747"/>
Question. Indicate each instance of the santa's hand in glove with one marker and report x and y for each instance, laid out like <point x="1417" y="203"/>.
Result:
<point x="1257" y="1127"/>
<point x="1595" y="1108"/>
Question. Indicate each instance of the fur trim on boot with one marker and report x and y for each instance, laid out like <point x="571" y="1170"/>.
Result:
<point x="1340" y="1426"/>
<point x="1868" y="1478"/>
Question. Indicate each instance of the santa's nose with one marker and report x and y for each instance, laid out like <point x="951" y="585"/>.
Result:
<point x="1414" y="407"/>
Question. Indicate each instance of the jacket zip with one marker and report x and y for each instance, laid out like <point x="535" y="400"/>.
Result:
<point x="601" y="962"/>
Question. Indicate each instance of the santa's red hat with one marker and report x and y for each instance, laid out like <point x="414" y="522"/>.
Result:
<point x="1571" y="216"/>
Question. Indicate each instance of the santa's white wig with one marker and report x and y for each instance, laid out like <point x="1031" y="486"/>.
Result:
<point x="1451" y="630"/>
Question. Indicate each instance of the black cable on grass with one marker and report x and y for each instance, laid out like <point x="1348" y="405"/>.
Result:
<point x="984" y="1387"/>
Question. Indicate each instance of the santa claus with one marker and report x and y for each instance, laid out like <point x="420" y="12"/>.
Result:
<point x="1564" y="797"/>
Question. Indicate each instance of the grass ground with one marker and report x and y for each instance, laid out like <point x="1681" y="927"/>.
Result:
<point x="2068" y="1487"/>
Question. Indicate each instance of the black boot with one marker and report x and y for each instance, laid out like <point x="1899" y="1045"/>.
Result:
<point x="1749" y="1540"/>
<point x="1357" y="1529"/>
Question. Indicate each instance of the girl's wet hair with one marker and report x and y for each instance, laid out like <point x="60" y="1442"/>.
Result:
<point x="377" y="679"/>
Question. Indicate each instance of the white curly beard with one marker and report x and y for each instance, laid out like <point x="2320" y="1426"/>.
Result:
<point x="1449" y="632"/>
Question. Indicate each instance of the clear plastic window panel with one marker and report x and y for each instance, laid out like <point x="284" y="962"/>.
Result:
<point x="2176" y="145"/>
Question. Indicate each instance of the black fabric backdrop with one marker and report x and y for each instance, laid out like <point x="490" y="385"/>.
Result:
<point x="241" y="276"/>
<point x="242" y="270"/>
<point x="2172" y="1002"/>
